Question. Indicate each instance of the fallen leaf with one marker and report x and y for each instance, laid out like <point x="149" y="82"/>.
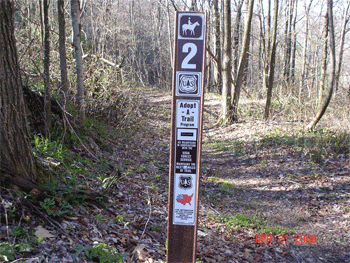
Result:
<point x="140" y="252"/>
<point x="43" y="233"/>
<point x="246" y="253"/>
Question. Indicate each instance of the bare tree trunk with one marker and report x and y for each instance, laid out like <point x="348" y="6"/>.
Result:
<point x="324" y="62"/>
<point x="236" y="34"/>
<point x="331" y="80"/>
<point x="272" y="59"/>
<point x="217" y="44"/>
<point x="226" y="66"/>
<point x="288" y="42"/>
<point x="62" y="45"/>
<point x="15" y="148"/>
<point x="294" y="47"/>
<point x="169" y="34"/>
<point x="193" y="5"/>
<point x="242" y="61"/>
<point x="341" y="48"/>
<point x="47" y="98"/>
<point x="41" y="20"/>
<point x="266" y="39"/>
<point x="75" y="10"/>
<point x="305" y="46"/>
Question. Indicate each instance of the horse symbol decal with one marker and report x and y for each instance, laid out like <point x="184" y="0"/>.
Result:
<point x="188" y="83"/>
<point x="189" y="27"/>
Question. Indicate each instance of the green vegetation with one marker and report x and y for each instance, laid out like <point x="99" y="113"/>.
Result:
<point x="228" y="145"/>
<point x="19" y="231"/>
<point x="99" y="251"/>
<point x="66" y="166"/>
<point x="154" y="228"/>
<point x="120" y="218"/>
<point x="315" y="145"/>
<point x="224" y="186"/>
<point x="219" y="146"/>
<point x="255" y="222"/>
<point x="100" y="217"/>
<point x="8" y="252"/>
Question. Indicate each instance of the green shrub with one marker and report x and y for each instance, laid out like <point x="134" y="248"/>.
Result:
<point x="7" y="252"/>
<point x="99" y="251"/>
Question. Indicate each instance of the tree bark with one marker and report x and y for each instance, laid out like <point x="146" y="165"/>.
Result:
<point x="242" y="62"/>
<point x="341" y="48"/>
<point x="15" y="148"/>
<point x="271" y="62"/>
<point x="170" y="40"/>
<point x="288" y="41"/>
<point x="226" y="66"/>
<point x="294" y="46"/>
<point x="266" y="40"/>
<point x="41" y="20"/>
<point x="47" y="100"/>
<point x="217" y="44"/>
<point x="305" y="46"/>
<point x="75" y="10"/>
<point x="62" y="46"/>
<point x="236" y="34"/>
<point x="193" y="7"/>
<point x="324" y="61"/>
<point x="331" y="79"/>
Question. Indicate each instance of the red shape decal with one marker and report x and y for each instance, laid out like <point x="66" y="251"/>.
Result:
<point x="184" y="199"/>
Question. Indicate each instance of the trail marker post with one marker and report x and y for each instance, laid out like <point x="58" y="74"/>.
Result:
<point x="186" y="136"/>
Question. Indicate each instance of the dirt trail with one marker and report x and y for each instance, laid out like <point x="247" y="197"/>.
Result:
<point x="262" y="169"/>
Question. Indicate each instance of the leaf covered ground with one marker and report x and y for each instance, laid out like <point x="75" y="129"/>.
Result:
<point x="259" y="179"/>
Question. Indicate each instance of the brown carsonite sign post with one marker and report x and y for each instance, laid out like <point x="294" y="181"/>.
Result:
<point x="186" y="136"/>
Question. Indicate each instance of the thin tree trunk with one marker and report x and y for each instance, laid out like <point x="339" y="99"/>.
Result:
<point x="193" y="6"/>
<point x="217" y="44"/>
<point x="288" y="43"/>
<point x="331" y="80"/>
<point x="226" y="66"/>
<point x="294" y="47"/>
<point x="242" y="62"/>
<point x="324" y="62"/>
<point x="271" y="62"/>
<point x="41" y="20"/>
<point x="47" y="98"/>
<point x="236" y="34"/>
<point x="75" y="9"/>
<point x="15" y="148"/>
<point x="62" y="46"/>
<point x="341" y="48"/>
<point x="266" y="38"/>
<point x="305" y="46"/>
<point x="169" y="34"/>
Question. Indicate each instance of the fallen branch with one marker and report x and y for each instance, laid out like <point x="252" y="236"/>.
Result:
<point x="108" y="62"/>
<point x="18" y="179"/>
<point x="35" y="103"/>
<point x="73" y="131"/>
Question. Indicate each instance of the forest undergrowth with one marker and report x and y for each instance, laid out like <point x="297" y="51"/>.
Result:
<point x="270" y="191"/>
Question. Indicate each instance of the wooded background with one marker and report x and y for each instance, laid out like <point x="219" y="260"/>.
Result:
<point x="289" y="56"/>
<point x="84" y="128"/>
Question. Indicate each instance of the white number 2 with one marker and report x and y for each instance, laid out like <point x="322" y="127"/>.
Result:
<point x="191" y="49"/>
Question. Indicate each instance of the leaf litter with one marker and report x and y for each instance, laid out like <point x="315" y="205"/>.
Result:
<point x="256" y="175"/>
